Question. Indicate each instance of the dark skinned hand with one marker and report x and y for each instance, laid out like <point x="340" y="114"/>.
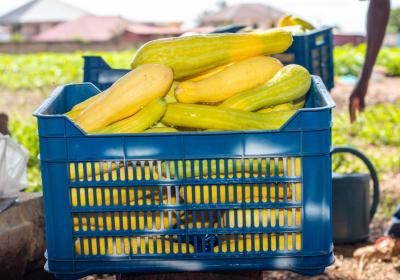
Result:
<point x="357" y="101"/>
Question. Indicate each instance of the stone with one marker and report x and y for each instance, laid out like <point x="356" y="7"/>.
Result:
<point x="22" y="241"/>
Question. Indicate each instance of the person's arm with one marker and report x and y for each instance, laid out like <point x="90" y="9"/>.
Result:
<point x="377" y="19"/>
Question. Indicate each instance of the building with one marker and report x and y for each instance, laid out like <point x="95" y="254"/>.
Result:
<point x="255" y="15"/>
<point x="37" y="16"/>
<point x="103" y="29"/>
<point x="4" y="33"/>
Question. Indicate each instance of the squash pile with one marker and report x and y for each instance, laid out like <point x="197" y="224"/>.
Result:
<point x="211" y="82"/>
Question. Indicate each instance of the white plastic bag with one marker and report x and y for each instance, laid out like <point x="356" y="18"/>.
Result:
<point x="13" y="160"/>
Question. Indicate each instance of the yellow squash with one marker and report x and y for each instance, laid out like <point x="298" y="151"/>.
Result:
<point x="230" y="166"/>
<point x="303" y="23"/>
<point x="277" y="108"/>
<point x="87" y="102"/>
<point x="126" y="245"/>
<point x="261" y="218"/>
<point x="127" y="221"/>
<point x="277" y="242"/>
<point x="211" y="117"/>
<point x="244" y="75"/>
<point x="206" y="74"/>
<point x="160" y="130"/>
<point x="170" y="96"/>
<point x="110" y="196"/>
<point x="290" y="83"/>
<point x="127" y="96"/>
<point x="259" y="193"/>
<point x="191" y="55"/>
<point x="73" y="114"/>
<point x="145" y="118"/>
<point x="285" y="20"/>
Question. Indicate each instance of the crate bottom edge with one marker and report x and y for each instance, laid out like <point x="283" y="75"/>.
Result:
<point x="306" y="265"/>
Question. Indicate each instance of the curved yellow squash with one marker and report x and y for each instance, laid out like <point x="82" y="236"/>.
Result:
<point x="195" y="54"/>
<point x="285" y="20"/>
<point x="145" y="118"/>
<point x="244" y="75"/>
<point x="290" y="83"/>
<point x="277" y="108"/>
<point x="206" y="74"/>
<point x="206" y="117"/>
<point x="127" y="96"/>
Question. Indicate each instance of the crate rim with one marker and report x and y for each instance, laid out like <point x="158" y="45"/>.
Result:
<point x="315" y="31"/>
<point x="39" y="113"/>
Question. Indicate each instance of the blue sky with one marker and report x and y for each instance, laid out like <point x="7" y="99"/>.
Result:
<point x="349" y="15"/>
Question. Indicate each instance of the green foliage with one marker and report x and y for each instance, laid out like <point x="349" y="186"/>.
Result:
<point x="24" y="131"/>
<point x="394" y="21"/>
<point x="348" y="60"/>
<point x="17" y="37"/>
<point x="376" y="133"/>
<point x="44" y="70"/>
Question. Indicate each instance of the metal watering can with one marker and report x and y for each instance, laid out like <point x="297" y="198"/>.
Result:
<point x="351" y="208"/>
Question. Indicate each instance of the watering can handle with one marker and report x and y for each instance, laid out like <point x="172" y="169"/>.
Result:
<point x="372" y="171"/>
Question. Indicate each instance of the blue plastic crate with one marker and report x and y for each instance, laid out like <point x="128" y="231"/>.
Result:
<point x="313" y="50"/>
<point x="235" y="200"/>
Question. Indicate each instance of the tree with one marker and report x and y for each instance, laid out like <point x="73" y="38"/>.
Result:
<point x="394" y="21"/>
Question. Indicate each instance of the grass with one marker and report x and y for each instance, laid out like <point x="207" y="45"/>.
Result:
<point x="44" y="70"/>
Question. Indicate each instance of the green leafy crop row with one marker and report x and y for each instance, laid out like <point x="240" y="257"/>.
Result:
<point x="348" y="60"/>
<point x="376" y="133"/>
<point x="43" y="70"/>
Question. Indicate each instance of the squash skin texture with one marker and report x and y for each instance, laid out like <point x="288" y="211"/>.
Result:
<point x="211" y="117"/>
<point x="290" y="83"/>
<point x="127" y="96"/>
<point x="145" y="118"/>
<point x="244" y="75"/>
<point x="191" y="55"/>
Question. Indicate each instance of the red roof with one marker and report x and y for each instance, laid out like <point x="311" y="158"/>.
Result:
<point x="86" y="28"/>
<point x="104" y="28"/>
<point x="145" y="29"/>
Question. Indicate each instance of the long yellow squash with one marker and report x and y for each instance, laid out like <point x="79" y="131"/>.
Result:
<point x="277" y="242"/>
<point x="277" y="108"/>
<point x="127" y="96"/>
<point x="233" y="166"/>
<point x="158" y="222"/>
<point x="244" y="75"/>
<point x="145" y="245"/>
<point x="195" y="54"/>
<point x="206" y="117"/>
<point x="206" y="74"/>
<point x="259" y="193"/>
<point x="73" y="114"/>
<point x="87" y="102"/>
<point x="138" y="122"/>
<point x="160" y="130"/>
<point x="290" y="83"/>
<point x="285" y="20"/>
